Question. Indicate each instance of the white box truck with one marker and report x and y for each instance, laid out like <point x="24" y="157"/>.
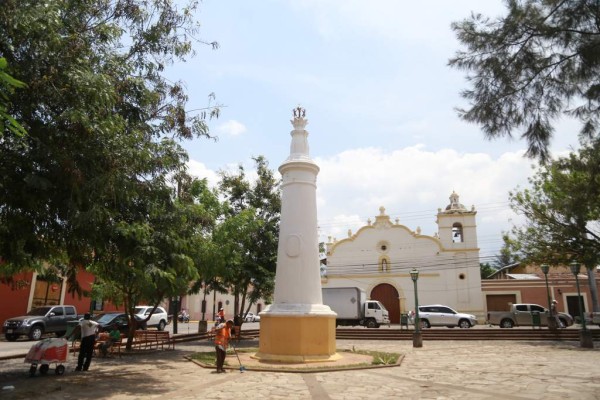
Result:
<point x="352" y="307"/>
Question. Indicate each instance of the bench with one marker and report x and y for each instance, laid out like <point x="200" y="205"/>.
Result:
<point x="153" y="340"/>
<point x="115" y="347"/>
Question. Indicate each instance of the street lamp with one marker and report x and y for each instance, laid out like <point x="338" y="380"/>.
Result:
<point x="417" y="336"/>
<point x="575" y="270"/>
<point x="551" y="320"/>
<point x="585" y="337"/>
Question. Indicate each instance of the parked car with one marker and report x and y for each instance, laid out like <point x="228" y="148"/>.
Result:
<point x="440" y="315"/>
<point x="521" y="315"/>
<point x="105" y="321"/>
<point x="40" y="320"/>
<point x="251" y="317"/>
<point x="158" y="319"/>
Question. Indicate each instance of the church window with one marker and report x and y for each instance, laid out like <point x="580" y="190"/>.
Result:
<point x="457" y="233"/>
<point x="384" y="264"/>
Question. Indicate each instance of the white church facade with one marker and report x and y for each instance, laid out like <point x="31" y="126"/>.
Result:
<point x="379" y="256"/>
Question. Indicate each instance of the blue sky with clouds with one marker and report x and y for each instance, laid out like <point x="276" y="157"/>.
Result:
<point x="380" y="100"/>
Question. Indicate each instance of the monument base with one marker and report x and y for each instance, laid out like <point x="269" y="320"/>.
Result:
<point x="297" y="338"/>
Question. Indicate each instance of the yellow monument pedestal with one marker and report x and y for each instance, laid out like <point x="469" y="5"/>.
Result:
<point x="297" y="338"/>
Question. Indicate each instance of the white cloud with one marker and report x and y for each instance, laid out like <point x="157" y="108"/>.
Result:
<point x="199" y="170"/>
<point x="231" y="128"/>
<point x="412" y="183"/>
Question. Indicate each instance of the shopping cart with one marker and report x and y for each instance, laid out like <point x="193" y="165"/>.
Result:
<point x="48" y="351"/>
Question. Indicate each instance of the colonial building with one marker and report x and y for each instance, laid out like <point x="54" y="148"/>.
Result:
<point x="526" y="283"/>
<point x="379" y="256"/>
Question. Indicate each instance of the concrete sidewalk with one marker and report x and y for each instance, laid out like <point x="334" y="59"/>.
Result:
<point x="439" y="370"/>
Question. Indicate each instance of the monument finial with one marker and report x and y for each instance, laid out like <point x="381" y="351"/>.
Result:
<point x="299" y="121"/>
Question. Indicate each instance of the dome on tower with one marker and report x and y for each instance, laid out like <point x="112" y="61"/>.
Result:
<point x="454" y="203"/>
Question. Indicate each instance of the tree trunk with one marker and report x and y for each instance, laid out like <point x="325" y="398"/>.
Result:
<point x="591" y="273"/>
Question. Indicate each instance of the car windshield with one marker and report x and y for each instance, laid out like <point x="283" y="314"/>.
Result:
<point x="140" y="310"/>
<point x="39" y="311"/>
<point x="104" y="318"/>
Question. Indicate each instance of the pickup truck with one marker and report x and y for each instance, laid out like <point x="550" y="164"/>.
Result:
<point x="51" y="319"/>
<point x="521" y="315"/>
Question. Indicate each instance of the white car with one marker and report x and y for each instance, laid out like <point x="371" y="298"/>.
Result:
<point x="251" y="317"/>
<point x="158" y="319"/>
<point x="440" y="315"/>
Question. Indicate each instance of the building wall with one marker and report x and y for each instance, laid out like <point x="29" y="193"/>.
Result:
<point x="19" y="297"/>
<point x="384" y="253"/>
<point x="561" y="287"/>
<point x="14" y="296"/>
<point x="193" y="303"/>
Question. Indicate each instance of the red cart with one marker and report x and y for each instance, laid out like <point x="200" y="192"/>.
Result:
<point x="48" y="351"/>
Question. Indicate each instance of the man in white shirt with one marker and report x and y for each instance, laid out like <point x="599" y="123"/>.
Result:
<point x="88" y="339"/>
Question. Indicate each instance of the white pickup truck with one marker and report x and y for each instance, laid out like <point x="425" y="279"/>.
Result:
<point x="522" y="315"/>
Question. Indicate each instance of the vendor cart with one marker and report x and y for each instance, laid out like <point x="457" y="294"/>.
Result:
<point x="48" y="351"/>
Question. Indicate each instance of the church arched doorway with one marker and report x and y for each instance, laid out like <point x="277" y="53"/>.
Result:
<point x="388" y="296"/>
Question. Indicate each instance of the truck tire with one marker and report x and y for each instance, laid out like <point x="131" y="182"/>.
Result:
<point x="36" y="332"/>
<point x="371" y="323"/>
<point x="507" y="323"/>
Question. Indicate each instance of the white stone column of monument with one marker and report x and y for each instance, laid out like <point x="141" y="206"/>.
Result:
<point x="297" y="326"/>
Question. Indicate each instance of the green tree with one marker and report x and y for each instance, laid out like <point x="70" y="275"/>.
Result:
<point x="506" y="256"/>
<point x="249" y="234"/>
<point x="103" y="124"/>
<point x="486" y="270"/>
<point x="562" y="211"/>
<point x="8" y="84"/>
<point x="527" y="69"/>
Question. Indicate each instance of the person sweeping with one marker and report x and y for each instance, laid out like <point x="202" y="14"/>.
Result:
<point x="222" y="337"/>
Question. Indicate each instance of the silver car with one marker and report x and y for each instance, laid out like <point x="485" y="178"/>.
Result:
<point x="440" y="315"/>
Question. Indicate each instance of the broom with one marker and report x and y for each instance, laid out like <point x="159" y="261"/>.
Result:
<point x="242" y="368"/>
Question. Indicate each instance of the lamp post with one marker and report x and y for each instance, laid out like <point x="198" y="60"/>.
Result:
<point x="585" y="337"/>
<point x="417" y="336"/>
<point x="551" y="320"/>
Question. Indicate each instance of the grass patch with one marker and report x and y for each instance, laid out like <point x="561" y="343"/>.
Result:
<point x="379" y="358"/>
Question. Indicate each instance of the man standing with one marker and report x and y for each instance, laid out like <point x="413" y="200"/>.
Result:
<point x="88" y="339"/>
<point x="222" y="336"/>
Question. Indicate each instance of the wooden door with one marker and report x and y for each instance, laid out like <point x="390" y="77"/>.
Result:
<point x="387" y="295"/>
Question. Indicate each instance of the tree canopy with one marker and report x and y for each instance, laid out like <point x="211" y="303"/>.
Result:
<point x="103" y="124"/>
<point x="562" y="211"/>
<point x="8" y="84"/>
<point x="248" y="234"/>
<point x="527" y="69"/>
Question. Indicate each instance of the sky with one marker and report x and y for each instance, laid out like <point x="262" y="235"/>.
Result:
<point x="380" y="101"/>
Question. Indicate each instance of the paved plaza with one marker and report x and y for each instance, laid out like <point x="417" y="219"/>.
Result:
<point x="438" y="370"/>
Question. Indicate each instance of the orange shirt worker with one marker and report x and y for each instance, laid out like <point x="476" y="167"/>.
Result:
<point x="222" y="337"/>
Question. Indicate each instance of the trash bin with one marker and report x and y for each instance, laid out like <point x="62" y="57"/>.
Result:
<point x="403" y="321"/>
<point x="202" y="326"/>
<point x="71" y="325"/>
<point x="536" y="320"/>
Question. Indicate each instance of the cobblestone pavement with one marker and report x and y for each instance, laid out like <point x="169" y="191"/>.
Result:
<point x="438" y="370"/>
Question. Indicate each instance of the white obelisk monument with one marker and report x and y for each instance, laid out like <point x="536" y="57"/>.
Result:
<point x="297" y="327"/>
